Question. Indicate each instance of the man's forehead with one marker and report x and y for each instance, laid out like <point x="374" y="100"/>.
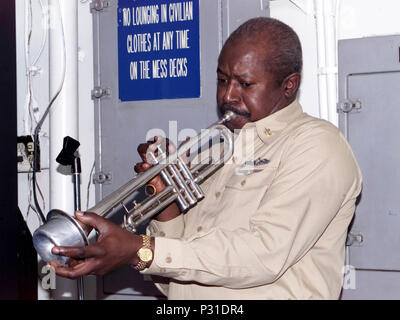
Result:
<point x="243" y="56"/>
<point x="262" y="46"/>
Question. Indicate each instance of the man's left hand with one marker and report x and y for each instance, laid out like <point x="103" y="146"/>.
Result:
<point x="115" y="247"/>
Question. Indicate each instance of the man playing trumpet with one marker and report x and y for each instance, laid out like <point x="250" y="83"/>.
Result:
<point x="270" y="227"/>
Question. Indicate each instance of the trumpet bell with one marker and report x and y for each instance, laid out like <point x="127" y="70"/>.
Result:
<point x="60" y="229"/>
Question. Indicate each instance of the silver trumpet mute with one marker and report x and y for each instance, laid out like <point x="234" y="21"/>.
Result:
<point x="182" y="186"/>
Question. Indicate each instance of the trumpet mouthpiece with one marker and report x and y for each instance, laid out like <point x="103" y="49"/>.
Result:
<point x="228" y="116"/>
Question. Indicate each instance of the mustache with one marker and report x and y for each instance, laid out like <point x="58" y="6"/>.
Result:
<point x="227" y="107"/>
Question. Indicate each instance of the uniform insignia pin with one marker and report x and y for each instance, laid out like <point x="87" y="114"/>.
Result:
<point x="257" y="162"/>
<point x="268" y="132"/>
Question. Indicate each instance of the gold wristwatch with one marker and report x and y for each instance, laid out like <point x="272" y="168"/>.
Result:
<point x="145" y="254"/>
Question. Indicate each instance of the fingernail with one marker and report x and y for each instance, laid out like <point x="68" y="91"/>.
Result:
<point x="55" y="250"/>
<point x="79" y="213"/>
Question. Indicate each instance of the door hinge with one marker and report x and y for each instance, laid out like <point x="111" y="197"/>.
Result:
<point x="99" y="92"/>
<point x="347" y="106"/>
<point x="354" y="239"/>
<point x="102" y="178"/>
<point x="98" y="5"/>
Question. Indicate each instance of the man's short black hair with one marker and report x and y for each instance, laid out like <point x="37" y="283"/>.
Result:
<point x="283" y="54"/>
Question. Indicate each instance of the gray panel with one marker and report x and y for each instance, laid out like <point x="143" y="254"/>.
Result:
<point x="235" y="12"/>
<point x="373" y="133"/>
<point x="369" y="72"/>
<point x="122" y="126"/>
<point x="373" y="285"/>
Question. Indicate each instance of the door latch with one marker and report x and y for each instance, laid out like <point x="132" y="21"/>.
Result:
<point x="347" y="106"/>
<point x="102" y="178"/>
<point x="98" y="5"/>
<point x="99" y="92"/>
<point x="354" y="239"/>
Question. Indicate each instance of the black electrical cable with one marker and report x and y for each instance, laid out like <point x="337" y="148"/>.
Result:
<point x="35" y="155"/>
<point x="35" y="164"/>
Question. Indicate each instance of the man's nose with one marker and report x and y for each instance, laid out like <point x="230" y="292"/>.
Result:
<point x="231" y="93"/>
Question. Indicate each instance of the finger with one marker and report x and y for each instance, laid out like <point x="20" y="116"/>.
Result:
<point x="88" y="218"/>
<point x="187" y="152"/>
<point x="82" y="269"/>
<point x="142" y="150"/>
<point x="142" y="167"/>
<point x="87" y="228"/>
<point x="185" y="157"/>
<point x="54" y="264"/>
<point x="91" y="251"/>
<point x="72" y="262"/>
<point x="185" y="141"/>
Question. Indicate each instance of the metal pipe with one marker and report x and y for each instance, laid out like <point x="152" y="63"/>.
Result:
<point x="76" y="172"/>
<point x="64" y="113"/>
<point x="322" y="84"/>
<point x="330" y="59"/>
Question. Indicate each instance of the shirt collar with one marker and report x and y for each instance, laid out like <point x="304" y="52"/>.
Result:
<point x="275" y="123"/>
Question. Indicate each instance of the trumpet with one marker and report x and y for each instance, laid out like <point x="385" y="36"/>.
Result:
<point x="182" y="186"/>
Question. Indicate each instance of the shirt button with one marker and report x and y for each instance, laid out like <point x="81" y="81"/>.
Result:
<point x="243" y="182"/>
<point x="168" y="260"/>
<point x="162" y="270"/>
<point x="199" y="229"/>
<point x="218" y="194"/>
<point x="162" y="234"/>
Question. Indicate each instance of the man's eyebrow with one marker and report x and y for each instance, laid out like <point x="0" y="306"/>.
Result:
<point x="243" y="76"/>
<point x="240" y="76"/>
<point x="219" y="70"/>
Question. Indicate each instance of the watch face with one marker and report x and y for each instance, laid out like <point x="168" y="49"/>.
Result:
<point x="145" y="254"/>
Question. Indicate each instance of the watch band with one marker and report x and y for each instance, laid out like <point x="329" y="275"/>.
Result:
<point x="141" y="265"/>
<point x="146" y="245"/>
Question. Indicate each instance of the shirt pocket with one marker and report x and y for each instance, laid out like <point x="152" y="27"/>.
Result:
<point x="249" y="178"/>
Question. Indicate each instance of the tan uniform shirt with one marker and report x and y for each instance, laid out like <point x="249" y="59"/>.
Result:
<point x="274" y="221"/>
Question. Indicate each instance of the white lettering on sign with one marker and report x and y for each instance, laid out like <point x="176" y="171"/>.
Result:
<point x="138" y="43"/>
<point x="157" y="41"/>
<point x="181" y="11"/>
<point x="145" y="15"/>
<point x="126" y="17"/>
<point x="160" y="69"/>
<point x="168" y="40"/>
<point x="182" y="39"/>
<point x="133" y="70"/>
<point x="164" y="14"/>
<point x="178" y="67"/>
<point x="144" y="69"/>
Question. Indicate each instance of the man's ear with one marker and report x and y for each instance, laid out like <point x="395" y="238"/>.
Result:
<point x="291" y="85"/>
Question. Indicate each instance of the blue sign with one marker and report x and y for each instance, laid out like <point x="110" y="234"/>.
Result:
<point x="158" y="49"/>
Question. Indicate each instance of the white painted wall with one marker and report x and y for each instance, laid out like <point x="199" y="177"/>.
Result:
<point x="40" y="89"/>
<point x="303" y="22"/>
<point x="356" y="18"/>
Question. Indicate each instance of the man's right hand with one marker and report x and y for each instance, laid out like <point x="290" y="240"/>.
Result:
<point x="172" y="210"/>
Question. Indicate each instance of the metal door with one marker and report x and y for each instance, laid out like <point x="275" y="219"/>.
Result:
<point x="369" y="113"/>
<point x="122" y="126"/>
